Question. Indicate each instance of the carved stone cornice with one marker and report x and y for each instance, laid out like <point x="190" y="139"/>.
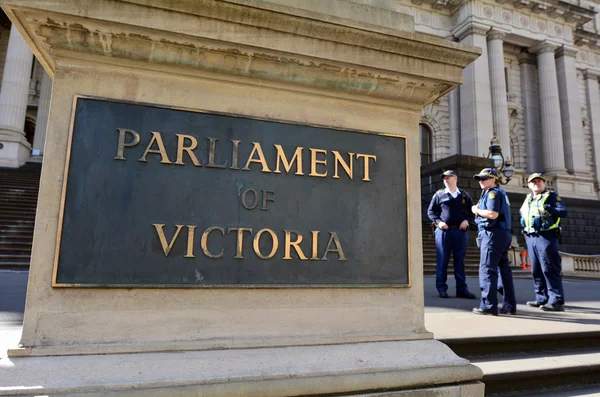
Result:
<point x="227" y="39"/>
<point x="555" y="9"/>
<point x="495" y="34"/>
<point x="468" y="28"/>
<point x="583" y="37"/>
<point x="526" y="58"/>
<point x="544" y="47"/>
<point x="591" y="74"/>
<point x="567" y="51"/>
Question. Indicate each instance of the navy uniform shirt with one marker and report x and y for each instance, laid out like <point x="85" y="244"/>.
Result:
<point x="453" y="211"/>
<point x="494" y="199"/>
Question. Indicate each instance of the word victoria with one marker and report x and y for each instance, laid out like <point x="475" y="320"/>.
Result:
<point x="292" y="239"/>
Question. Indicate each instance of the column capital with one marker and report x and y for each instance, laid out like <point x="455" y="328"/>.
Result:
<point x="496" y="34"/>
<point x="567" y="51"/>
<point x="526" y="58"/>
<point x="591" y="74"/>
<point x="469" y="28"/>
<point x="543" y="47"/>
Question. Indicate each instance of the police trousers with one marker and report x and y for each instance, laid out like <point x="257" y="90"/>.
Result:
<point x="448" y="243"/>
<point x="546" y="266"/>
<point x="493" y="260"/>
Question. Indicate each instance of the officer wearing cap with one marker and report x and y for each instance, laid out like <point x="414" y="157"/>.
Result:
<point x="540" y="218"/>
<point x="450" y="211"/>
<point x="494" y="237"/>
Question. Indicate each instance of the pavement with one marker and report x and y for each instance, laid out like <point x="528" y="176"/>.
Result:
<point x="446" y="318"/>
<point x="452" y="318"/>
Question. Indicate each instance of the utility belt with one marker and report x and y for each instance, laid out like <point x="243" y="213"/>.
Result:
<point x="552" y="232"/>
<point x="450" y="227"/>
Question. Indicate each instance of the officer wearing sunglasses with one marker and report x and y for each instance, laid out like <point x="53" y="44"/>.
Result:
<point x="492" y="215"/>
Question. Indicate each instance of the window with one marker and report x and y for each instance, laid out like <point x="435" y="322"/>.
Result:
<point x="425" y="144"/>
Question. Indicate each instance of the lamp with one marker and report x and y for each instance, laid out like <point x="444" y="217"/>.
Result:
<point x="502" y="166"/>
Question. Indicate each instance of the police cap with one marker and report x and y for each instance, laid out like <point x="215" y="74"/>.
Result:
<point x="448" y="173"/>
<point x="536" y="175"/>
<point x="486" y="173"/>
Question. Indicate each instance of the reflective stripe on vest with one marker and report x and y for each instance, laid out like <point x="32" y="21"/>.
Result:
<point x="530" y="212"/>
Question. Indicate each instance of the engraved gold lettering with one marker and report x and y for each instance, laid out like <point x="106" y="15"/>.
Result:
<point x="166" y="246"/>
<point x="266" y="197"/>
<point x="188" y="149"/>
<point x="204" y="242"/>
<point x="314" y="162"/>
<point x="366" y="163"/>
<point x="190" y="247"/>
<point x="315" y="245"/>
<point x="334" y="239"/>
<point x="211" y="155"/>
<point x="245" y="201"/>
<point x="240" y="239"/>
<point x="161" y="149"/>
<point x="287" y="165"/>
<point x="296" y="244"/>
<point x="340" y="160"/>
<point x="257" y="149"/>
<point x="274" y="246"/>
<point x="235" y="152"/>
<point x="122" y="144"/>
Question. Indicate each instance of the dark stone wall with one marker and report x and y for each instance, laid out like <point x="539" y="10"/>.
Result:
<point x="581" y="229"/>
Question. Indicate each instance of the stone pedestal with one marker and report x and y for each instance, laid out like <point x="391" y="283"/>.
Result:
<point x="260" y="60"/>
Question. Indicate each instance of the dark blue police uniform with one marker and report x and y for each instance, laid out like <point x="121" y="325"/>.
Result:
<point x="540" y="218"/>
<point x="495" y="238"/>
<point x="453" y="241"/>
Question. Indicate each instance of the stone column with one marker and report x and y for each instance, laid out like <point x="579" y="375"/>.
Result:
<point x="475" y="94"/>
<point x="495" y="47"/>
<point x="39" y="139"/>
<point x="531" y="111"/>
<point x="552" y="138"/>
<point x="593" y="105"/>
<point x="13" y="101"/>
<point x="454" y="105"/>
<point x="570" y="110"/>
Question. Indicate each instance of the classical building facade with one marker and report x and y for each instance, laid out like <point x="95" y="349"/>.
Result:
<point x="536" y="86"/>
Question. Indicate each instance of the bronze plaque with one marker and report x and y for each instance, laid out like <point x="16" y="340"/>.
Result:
<point x="162" y="197"/>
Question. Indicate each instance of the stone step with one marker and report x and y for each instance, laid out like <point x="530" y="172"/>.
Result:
<point x="18" y="217"/>
<point x="529" y="372"/>
<point x="14" y="209"/>
<point x="15" y="258"/>
<point x="8" y="235"/>
<point x="8" y="265"/>
<point x="5" y="225"/>
<point x="522" y="363"/>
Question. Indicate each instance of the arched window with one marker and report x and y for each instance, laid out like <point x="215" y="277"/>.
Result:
<point x="425" y="140"/>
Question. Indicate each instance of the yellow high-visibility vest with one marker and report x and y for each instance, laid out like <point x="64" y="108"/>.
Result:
<point x="531" y="210"/>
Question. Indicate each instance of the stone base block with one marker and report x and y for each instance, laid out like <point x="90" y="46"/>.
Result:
<point x="399" y="369"/>
<point x="14" y="149"/>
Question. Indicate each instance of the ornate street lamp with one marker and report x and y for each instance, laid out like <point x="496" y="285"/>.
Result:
<point x="503" y="167"/>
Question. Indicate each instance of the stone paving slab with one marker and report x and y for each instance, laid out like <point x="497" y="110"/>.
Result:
<point x="452" y="318"/>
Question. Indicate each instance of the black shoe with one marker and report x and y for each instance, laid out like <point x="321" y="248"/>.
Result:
<point x="466" y="295"/>
<point x="444" y="295"/>
<point x="482" y="312"/>
<point x="556" y="307"/>
<point x="509" y="312"/>
<point x="534" y="304"/>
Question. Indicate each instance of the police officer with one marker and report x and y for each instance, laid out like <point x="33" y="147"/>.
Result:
<point x="540" y="218"/>
<point x="494" y="238"/>
<point x="450" y="211"/>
